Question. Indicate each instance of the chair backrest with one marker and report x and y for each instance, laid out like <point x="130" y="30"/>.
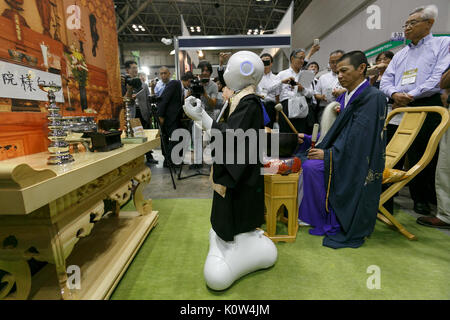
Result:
<point x="413" y="119"/>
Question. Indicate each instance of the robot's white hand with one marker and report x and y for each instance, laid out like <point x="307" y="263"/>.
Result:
<point x="192" y="108"/>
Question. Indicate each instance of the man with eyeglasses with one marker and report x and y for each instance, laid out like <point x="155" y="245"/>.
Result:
<point x="293" y="94"/>
<point x="271" y="98"/>
<point x="412" y="79"/>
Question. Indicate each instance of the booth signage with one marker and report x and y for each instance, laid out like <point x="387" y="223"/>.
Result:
<point x="393" y="44"/>
<point x="19" y="82"/>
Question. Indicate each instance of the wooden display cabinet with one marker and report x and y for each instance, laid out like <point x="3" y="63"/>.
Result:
<point x="69" y="216"/>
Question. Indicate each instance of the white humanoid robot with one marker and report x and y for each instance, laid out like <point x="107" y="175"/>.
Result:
<point x="228" y="261"/>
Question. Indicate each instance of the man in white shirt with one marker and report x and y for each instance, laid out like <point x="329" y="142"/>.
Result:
<point x="291" y="89"/>
<point x="268" y="81"/>
<point x="328" y="87"/>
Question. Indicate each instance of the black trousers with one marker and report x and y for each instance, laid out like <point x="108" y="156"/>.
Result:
<point x="146" y="124"/>
<point x="301" y="125"/>
<point x="422" y="187"/>
<point x="167" y="146"/>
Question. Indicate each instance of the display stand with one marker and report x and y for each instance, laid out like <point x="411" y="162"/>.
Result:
<point x="281" y="191"/>
<point x="70" y="217"/>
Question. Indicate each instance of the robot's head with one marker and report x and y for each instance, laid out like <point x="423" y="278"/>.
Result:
<point x="244" y="68"/>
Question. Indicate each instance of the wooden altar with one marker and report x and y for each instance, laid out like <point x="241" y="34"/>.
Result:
<point x="69" y="216"/>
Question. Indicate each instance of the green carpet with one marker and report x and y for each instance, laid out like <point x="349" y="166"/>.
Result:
<point x="169" y="265"/>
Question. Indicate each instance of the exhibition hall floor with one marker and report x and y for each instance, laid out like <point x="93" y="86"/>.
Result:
<point x="169" y="265"/>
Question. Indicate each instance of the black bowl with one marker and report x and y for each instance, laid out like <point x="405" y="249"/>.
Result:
<point x="288" y="142"/>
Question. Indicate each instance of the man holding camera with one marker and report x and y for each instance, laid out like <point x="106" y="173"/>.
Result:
<point x="293" y="95"/>
<point x="170" y="111"/>
<point x="209" y="97"/>
<point x="139" y="107"/>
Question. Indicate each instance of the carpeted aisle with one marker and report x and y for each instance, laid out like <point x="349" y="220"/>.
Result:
<point x="169" y="266"/>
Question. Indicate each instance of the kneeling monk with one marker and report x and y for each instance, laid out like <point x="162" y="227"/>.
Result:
<point x="342" y="176"/>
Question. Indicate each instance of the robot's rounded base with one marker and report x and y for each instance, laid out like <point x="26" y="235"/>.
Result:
<point x="228" y="261"/>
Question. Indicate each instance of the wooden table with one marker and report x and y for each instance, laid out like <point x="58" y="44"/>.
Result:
<point x="49" y="212"/>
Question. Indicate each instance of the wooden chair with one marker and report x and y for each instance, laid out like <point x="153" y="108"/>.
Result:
<point x="413" y="119"/>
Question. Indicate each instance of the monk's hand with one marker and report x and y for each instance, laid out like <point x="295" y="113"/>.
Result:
<point x="316" y="154"/>
<point x="301" y="136"/>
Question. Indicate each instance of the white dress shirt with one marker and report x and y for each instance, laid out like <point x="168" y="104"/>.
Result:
<point x="286" y="90"/>
<point x="268" y="87"/>
<point x="325" y="86"/>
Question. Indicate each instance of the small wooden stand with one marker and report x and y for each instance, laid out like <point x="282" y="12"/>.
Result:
<point x="281" y="190"/>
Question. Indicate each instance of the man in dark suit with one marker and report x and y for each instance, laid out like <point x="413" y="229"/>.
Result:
<point x="170" y="110"/>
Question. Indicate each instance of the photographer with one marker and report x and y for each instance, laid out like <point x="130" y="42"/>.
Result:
<point x="209" y="97"/>
<point x="139" y="92"/>
<point x="293" y="95"/>
<point x="170" y="110"/>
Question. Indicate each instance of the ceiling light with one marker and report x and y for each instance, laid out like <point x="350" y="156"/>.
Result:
<point x="134" y="26"/>
<point x="200" y="54"/>
<point x="172" y="52"/>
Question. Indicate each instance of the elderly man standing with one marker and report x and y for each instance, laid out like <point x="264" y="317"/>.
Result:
<point x="412" y="79"/>
<point x="293" y="94"/>
<point x="157" y="88"/>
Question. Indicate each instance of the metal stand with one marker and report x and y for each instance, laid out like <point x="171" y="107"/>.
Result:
<point x="58" y="148"/>
<point x="198" y="171"/>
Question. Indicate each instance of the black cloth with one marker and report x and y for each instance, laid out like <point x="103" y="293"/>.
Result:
<point x="354" y="161"/>
<point x="271" y="112"/>
<point x="170" y="107"/>
<point x="422" y="187"/>
<point x="300" y="124"/>
<point x="242" y="209"/>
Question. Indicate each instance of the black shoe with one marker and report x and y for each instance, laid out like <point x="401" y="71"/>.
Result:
<point x="422" y="208"/>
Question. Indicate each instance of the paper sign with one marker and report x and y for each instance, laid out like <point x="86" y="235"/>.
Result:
<point x="19" y="82"/>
